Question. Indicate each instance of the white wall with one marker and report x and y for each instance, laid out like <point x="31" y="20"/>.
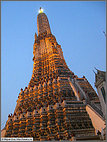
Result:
<point x="97" y="122"/>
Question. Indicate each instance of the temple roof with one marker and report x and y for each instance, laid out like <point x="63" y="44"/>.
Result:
<point x="99" y="76"/>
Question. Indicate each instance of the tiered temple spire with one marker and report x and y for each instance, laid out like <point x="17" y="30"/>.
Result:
<point x="53" y="104"/>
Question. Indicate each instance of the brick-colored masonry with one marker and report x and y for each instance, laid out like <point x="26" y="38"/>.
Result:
<point x="53" y="105"/>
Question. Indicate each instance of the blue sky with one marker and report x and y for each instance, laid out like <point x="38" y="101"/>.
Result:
<point x="78" y="27"/>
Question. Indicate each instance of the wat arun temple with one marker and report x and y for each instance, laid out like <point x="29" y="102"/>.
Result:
<point x="56" y="104"/>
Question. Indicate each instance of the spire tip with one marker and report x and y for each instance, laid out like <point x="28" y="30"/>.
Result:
<point x="41" y="10"/>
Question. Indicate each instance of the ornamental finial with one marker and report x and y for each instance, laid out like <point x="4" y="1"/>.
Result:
<point x="40" y="10"/>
